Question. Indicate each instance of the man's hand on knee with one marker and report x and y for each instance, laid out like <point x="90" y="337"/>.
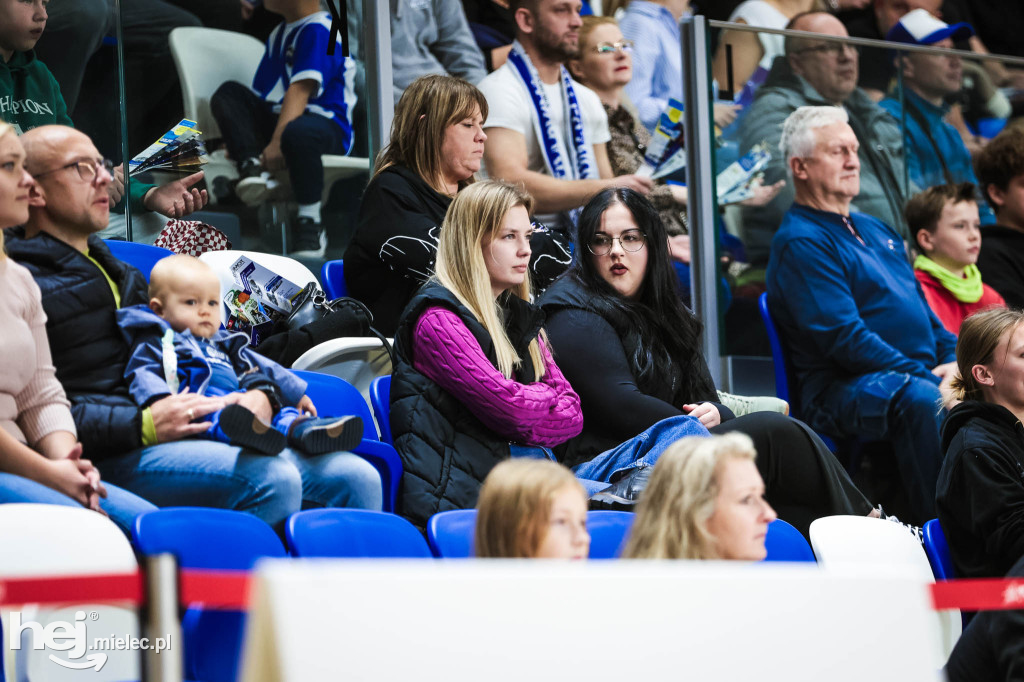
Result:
<point x="173" y="416"/>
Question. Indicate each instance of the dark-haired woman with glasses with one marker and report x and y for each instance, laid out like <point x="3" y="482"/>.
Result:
<point x="631" y="350"/>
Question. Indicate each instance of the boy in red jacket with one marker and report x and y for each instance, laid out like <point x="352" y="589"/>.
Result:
<point x="944" y="222"/>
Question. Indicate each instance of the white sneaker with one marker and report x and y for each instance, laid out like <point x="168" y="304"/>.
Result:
<point x="742" y="404"/>
<point x="253" y="191"/>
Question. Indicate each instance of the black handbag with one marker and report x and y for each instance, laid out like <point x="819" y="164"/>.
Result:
<point x="311" y="305"/>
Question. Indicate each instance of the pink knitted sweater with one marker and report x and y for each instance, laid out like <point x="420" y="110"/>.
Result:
<point x="32" y="401"/>
<point x="545" y="412"/>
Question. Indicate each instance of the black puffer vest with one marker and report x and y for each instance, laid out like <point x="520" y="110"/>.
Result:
<point x="88" y="349"/>
<point x="446" y="451"/>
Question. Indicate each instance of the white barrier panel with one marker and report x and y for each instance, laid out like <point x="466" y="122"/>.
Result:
<point x="535" y="620"/>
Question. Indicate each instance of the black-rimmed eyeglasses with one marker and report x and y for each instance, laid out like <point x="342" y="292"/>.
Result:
<point x="87" y="170"/>
<point x="631" y="241"/>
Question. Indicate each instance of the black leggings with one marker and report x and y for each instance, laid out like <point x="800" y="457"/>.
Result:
<point x="802" y="478"/>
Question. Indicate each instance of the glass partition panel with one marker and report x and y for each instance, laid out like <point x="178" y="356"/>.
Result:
<point x="921" y="115"/>
<point x="756" y="93"/>
<point x="192" y="61"/>
<point x="78" y="44"/>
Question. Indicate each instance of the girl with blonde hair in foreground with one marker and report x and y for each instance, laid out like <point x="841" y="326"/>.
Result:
<point x="532" y="508"/>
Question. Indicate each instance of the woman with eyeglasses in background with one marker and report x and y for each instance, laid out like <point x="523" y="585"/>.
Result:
<point x="631" y="350"/>
<point x="605" y="65"/>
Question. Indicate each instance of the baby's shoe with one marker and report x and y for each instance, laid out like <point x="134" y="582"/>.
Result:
<point x="244" y="428"/>
<point x="320" y="435"/>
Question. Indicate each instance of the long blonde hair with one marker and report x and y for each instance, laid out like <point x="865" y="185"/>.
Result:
<point x="514" y="506"/>
<point x="427" y="108"/>
<point x="5" y="128"/>
<point x="477" y="214"/>
<point x="673" y="512"/>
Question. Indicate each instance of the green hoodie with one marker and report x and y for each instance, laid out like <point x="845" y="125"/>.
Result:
<point x="30" y="97"/>
<point x="29" y="94"/>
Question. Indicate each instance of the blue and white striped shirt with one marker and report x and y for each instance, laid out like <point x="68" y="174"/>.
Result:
<point x="298" y="51"/>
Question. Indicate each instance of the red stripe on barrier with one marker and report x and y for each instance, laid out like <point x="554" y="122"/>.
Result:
<point x="981" y="594"/>
<point x="227" y="590"/>
<point x="113" y="587"/>
<point x="230" y="590"/>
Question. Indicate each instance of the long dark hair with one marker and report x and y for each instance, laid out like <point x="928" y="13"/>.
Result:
<point x="662" y="333"/>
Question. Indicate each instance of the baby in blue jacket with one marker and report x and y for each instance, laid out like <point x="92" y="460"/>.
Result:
<point x="177" y="344"/>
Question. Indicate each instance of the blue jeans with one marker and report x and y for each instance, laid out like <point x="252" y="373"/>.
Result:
<point x="539" y="452"/>
<point x="641" y="450"/>
<point x="205" y="473"/>
<point x="121" y="506"/>
<point x="901" y="408"/>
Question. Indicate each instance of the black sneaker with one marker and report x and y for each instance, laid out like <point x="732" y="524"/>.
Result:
<point x="320" y="435"/>
<point x="624" y="493"/>
<point x="244" y="428"/>
<point x="310" y="239"/>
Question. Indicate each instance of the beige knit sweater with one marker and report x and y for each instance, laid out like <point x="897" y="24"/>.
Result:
<point x="32" y="401"/>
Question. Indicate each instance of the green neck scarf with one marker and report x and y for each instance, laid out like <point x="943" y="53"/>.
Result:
<point x="966" y="289"/>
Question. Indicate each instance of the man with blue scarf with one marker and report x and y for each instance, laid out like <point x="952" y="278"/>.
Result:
<point x="545" y="130"/>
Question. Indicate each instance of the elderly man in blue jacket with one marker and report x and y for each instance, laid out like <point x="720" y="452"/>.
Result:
<point x="148" y="451"/>
<point x="871" y="358"/>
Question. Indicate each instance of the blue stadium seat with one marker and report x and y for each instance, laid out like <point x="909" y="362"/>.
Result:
<point x="353" y="533"/>
<point x="335" y="397"/>
<point x="608" y="530"/>
<point x="142" y="256"/>
<point x="332" y="275"/>
<point x="937" y="549"/>
<point x="450" y="533"/>
<point x="783" y="374"/>
<point x="380" y="401"/>
<point x="785" y="543"/>
<point x="208" y="539"/>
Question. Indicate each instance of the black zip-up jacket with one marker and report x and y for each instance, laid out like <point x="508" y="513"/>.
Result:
<point x="591" y="353"/>
<point x="980" y="493"/>
<point x="88" y="348"/>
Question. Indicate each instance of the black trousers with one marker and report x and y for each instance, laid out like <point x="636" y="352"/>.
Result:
<point x="247" y="124"/>
<point x="803" y="479"/>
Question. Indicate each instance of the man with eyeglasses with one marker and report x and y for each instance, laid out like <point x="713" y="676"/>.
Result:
<point x="817" y="72"/>
<point x="546" y="130"/>
<point x="147" y="451"/>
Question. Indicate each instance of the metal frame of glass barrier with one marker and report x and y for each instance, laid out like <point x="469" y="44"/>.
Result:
<point x="701" y="204"/>
<point x="380" y="106"/>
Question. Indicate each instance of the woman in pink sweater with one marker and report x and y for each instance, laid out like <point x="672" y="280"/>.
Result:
<point x="474" y="380"/>
<point x="40" y="456"/>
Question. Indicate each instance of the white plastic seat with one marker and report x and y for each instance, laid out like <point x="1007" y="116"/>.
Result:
<point x="206" y="58"/>
<point x="356" y="359"/>
<point x="846" y="541"/>
<point x="50" y="540"/>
